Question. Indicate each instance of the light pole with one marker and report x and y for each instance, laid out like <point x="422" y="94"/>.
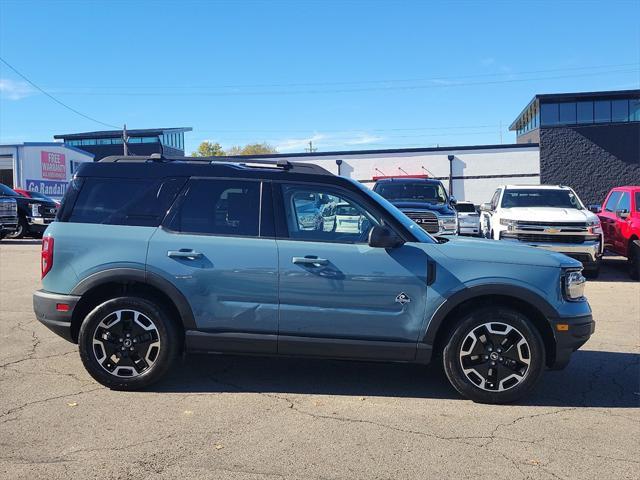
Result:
<point x="451" y="158"/>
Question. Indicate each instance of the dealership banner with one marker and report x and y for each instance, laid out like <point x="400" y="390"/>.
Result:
<point x="54" y="166"/>
<point x="47" y="187"/>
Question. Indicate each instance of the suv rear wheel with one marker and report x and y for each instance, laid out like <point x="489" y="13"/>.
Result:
<point x="494" y="355"/>
<point x="128" y="343"/>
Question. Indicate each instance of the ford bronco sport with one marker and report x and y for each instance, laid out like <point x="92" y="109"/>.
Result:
<point x="153" y="256"/>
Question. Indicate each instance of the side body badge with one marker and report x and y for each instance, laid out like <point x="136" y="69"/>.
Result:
<point x="403" y="298"/>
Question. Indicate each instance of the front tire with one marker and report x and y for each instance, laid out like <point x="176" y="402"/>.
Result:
<point x="494" y="355"/>
<point x="21" y="231"/>
<point x="128" y="343"/>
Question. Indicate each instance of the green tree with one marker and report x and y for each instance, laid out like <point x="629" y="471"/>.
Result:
<point x="208" y="149"/>
<point x="252" y="149"/>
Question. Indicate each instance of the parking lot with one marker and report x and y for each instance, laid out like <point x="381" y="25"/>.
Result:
<point x="250" y="417"/>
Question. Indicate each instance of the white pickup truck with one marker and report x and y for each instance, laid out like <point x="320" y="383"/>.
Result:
<point x="545" y="216"/>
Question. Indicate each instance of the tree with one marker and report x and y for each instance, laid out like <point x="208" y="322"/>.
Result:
<point x="208" y="149"/>
<point x="252" y="149"/>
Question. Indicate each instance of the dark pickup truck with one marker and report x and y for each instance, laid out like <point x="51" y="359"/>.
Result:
<point x="34" y="214"/>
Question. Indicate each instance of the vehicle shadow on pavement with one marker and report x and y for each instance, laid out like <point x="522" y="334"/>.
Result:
<point x="592" y="379"/>
<point x="613" y="269"/>
<point x="26" y="241"/>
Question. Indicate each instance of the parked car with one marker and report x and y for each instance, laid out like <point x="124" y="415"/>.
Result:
<point x="423" y="200"/>
<point x="37" y="195"/>
<point x="150" y="257"/>
<point x="545" y="216"/>
<point x="468" y="218"/>
<point x="8" y="213"/>
<point x="620" y="221"/>
<point x="34" y="215"/>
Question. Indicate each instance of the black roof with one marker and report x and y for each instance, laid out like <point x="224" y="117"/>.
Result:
<point x="117" y="133"/>
<point x="157" y="166"/>
<point x="575" y="96"/>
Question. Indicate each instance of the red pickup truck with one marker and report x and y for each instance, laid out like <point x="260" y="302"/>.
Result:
<point x="620" y="219"/>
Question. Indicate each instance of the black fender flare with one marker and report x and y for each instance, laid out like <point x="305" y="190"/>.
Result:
<point x="503" y="290"/>
<point x="128" y="274"/>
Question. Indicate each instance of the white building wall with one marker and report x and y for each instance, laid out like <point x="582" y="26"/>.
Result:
<point x="43" y="167"/>
<point x="476" y="172"/>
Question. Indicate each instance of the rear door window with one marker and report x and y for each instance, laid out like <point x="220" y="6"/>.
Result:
<point x="122" y="201"/>
<point x="219" y="207"/>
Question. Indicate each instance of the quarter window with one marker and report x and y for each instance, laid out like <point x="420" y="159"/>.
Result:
<point x="324" y="215"/>
<point x="219" y="207"/>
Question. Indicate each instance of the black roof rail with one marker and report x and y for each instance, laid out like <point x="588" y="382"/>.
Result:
<point x="283" y="164"/>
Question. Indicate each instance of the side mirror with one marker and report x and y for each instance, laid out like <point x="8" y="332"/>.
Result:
<point x="622" y="213"/>
<point x="595" y="208"/>
<point x="485" y="207"/>
<point x="384" y="237"/>
<point x="453" y="200"/>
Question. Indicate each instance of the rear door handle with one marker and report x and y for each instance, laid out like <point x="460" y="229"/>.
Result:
<point x="184" y="253"/>
<point x="310" y="261"/>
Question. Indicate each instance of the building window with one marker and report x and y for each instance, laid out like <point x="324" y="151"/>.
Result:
<point x="602" y="111"/>
<point x="567" y="113"/>
<point x="620" y="111"/>
<point x="88" y="141"/>
<point x="549" y="114"/>
<point x="634" y="110"/>
<point x="585" y="112"/>
<point x="149" y="139"/>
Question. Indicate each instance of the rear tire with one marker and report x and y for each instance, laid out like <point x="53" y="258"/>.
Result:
<point x="128" y="343"/>
<point x="494" y="355"/>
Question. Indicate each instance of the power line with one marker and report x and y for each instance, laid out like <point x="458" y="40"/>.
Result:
<point x="359" y="82"/>
<point x="54" y="98"/>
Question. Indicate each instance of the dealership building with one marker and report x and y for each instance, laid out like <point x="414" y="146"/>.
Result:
<point x="165" y="141"/>
<point x="589" y="141"/>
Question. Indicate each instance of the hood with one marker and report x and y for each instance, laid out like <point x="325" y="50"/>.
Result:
<point x="481" y="250"/>
<point x="550" y="214"/>
<point x="441" y="208"/>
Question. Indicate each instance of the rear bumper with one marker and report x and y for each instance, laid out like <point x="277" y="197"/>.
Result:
<point x="578" y="331"/>
<point x="50" y="311"/>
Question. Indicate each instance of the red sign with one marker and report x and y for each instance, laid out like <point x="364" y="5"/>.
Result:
<point x="54" y="166"/>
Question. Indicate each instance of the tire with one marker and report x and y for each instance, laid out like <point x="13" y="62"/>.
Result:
<point x="146" y="353"/>
<point x="22" y="229"/>
<point x="634" y="260"/>
<point x="514" y="378"/>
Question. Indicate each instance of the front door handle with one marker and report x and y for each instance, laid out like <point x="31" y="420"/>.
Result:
<point x="184" y="253"/>
<point x="310" y="261"/>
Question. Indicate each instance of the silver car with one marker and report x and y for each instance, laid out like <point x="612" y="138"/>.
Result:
<point x="468" y="218"/>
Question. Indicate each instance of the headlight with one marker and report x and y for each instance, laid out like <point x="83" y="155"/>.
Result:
<point x="594" y="227"/>
<point x="35" y="209"/>
<point x="448" y="223"/>
<point x="574" y="285"/>
<point x="507" y="222"/>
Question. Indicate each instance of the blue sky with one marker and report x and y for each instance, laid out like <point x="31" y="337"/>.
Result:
<point x="346" y="74"/>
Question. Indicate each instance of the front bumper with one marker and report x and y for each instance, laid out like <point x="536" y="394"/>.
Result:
<point x="49" y="310"/>
<point x="570" y="334"/>
<point x="588" y="252"/>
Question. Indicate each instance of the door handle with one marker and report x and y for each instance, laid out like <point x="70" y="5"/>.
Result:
<point x="310" y="261"/>
<point x="184" y="253"/>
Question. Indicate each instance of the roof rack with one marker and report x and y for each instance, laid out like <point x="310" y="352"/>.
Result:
<point x="281" y="164"/>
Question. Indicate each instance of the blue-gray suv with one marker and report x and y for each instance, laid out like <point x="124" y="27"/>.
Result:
<point x="153" y="256"/>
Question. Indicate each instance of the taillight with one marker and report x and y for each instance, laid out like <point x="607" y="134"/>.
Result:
<point x="46" y="259"/>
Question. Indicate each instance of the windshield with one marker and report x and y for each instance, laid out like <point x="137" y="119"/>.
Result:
<point x="416" y="230"/>
<point x="541" y="198"/>
<point x="465" y="207"/>
<point x="416" y="192"/>
<point x="9" y="192"/>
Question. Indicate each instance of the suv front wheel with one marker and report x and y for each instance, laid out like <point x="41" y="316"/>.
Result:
<point x="494" y="355"/>
<point x="128" y="343"/>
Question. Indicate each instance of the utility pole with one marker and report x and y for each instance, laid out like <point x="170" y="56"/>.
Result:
<point x="311" y="148"/>
<point x="124" y="140"/>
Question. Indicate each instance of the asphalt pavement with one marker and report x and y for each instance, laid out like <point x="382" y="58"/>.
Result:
<point x="266" y="418"/>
